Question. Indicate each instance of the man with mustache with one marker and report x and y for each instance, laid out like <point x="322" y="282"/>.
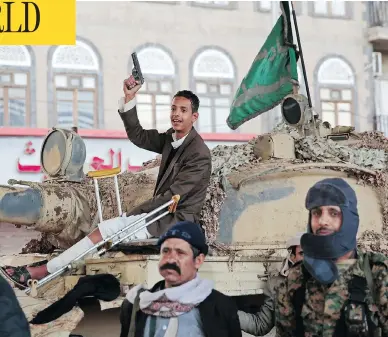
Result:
<point x="185" y="170"/>
<point x="262" y="322"/>
<point x="182" y="304"/>
<point x="338" y="290"/>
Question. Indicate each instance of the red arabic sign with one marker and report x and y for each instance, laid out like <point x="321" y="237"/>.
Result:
<point x="97" y="162"/>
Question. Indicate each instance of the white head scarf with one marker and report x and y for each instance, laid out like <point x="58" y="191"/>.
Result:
<point x="288" y="263"/>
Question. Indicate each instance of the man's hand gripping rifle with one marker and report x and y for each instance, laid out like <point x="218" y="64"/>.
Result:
<point x="109" y="242"/>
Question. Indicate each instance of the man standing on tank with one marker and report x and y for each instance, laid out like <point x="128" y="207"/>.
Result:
<point x="186" y="161"/>
<point x="185" y="170"/>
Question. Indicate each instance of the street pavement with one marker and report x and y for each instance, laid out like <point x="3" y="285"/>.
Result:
<point x="13" y="239"/>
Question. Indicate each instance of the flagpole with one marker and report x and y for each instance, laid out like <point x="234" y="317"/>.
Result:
<point x="301" y="55"/>
<point x="277" y="112"/>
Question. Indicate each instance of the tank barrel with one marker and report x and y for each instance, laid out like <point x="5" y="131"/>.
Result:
<point x="62" y="211"/>
<point x="20" y="206"/>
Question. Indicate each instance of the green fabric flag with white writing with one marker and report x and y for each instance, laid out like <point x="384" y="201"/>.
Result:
<point x="271" y="75"/>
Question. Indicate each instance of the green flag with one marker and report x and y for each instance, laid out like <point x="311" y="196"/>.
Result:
<point x="271" y="75"/>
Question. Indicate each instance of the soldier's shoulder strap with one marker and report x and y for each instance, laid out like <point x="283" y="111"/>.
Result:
<point x="135" y="309"/>
<point x="376" y="258"/>
<point x="371" y="259"/>
<point x="367" y="267"/>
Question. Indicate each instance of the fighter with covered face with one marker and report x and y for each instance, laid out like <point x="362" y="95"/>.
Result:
<point x="338" y="290"/>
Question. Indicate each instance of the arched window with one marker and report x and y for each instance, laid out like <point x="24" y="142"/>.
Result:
<point x="15" y="86"/>
<point x="76" y="89"/>
<point x="336" y="91"/>
<point x="155" y="96"/>
<point x="213" y="76"/>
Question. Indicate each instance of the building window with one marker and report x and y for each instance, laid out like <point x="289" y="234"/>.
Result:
<point x="214" y="76"/>
<point x="76" y="86"/>
<point x="266" y="6"/>
<point x="263" y="6"/>
<point x="336" y="92"/>
<point x="155" y="96"/>
<point x="15" y="86"/>
<point x="336" y="8"/>
<point x="215" y="4"/>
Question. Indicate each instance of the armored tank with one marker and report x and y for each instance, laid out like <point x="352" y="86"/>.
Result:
<point x="254" y="202"/>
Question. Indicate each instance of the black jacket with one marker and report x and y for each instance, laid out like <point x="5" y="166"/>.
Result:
<point x="218" y="313"/>
<point x="13" y="322"/>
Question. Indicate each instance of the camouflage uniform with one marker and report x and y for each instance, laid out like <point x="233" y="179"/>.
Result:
<point x="322" y="306"/>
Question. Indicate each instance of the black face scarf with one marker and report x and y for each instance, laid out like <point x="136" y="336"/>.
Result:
<point x="321" y="252"/>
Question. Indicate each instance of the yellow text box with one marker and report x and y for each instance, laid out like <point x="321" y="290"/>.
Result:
<point x="38" y="22"/>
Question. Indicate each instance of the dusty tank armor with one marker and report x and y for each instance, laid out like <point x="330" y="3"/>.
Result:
<point x="254" y="203"/>
<point x="66" y="210"/>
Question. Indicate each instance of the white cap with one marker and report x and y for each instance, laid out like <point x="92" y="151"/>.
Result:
<point x="295" y="240"/>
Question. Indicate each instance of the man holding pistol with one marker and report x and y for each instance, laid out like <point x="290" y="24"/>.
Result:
<point x="184" y="170"/>
<point x="186" y="161"/>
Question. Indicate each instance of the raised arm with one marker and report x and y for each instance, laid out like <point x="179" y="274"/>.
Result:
<point x="150" y="140"/>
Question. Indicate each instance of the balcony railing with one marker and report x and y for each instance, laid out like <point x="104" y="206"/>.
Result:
<point x="378" y="13"/>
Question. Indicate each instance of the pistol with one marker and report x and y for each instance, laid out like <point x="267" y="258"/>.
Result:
<point x="136" y="71"/>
